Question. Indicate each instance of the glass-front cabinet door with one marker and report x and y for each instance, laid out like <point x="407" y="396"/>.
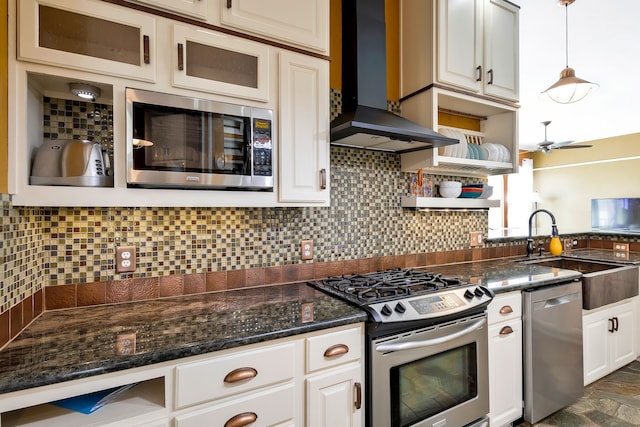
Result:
<point x="218" y="63"/>
<point x="88" y="35"/>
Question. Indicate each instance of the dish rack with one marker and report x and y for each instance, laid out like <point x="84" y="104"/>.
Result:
<point x="437" y="162"/>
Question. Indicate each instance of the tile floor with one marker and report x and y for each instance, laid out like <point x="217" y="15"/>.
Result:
<point x="612" y="401"/>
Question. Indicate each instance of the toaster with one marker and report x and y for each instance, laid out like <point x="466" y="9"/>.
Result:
<point x="71" y="162"/>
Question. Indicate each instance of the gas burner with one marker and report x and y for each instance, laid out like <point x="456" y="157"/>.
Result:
<point x="387" y="284"/>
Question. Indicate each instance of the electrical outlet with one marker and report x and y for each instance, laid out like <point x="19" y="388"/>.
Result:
<point x="125" y="259"/>
<point x="621" y="247"/>
<point x="306" y="313"/>
<point x="126" y="344"/>
<point x="477" y="239"/>
<point x="306" y="249"/>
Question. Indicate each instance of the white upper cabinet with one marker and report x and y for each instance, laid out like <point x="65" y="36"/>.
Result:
<point x="192" y="8"/>
<point x="460" y="57"/>
<point x="217" y="63"/>
<point x="304" y="129"/>
<point x="472" y="45"/>
<point x="459" y="43"/>
<point x="303" y="23"/>
<point x="501" y="60"/>
<point x="89" y="36"/>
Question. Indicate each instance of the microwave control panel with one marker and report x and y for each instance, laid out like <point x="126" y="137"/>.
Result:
<point x="262" y="147"/>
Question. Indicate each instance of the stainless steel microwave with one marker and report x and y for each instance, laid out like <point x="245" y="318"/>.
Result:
<point x="182" y="142"/>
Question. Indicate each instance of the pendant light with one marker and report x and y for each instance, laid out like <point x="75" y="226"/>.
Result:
<point x="569" y="88"/>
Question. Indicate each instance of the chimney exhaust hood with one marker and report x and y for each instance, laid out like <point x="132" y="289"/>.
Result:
<point x="365" y="121"/>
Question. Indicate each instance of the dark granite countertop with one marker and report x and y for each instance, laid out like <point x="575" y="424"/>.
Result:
<point x="69" y="344"/>
<point x="81" y="342"/>
<point x="506" y="274"/>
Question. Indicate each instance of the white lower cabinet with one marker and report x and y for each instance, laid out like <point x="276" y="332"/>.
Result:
<point x="332" y="397"/>
<point x="505" y="359"/>
<point x="609" y="338"/>
<point x="265" y="408"/>
<point x="312" y="380"/>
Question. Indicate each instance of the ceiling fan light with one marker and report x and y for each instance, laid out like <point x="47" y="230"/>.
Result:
<point x="569" y="88"/>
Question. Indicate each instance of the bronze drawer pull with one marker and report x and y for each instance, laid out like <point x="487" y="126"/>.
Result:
<point x="358" y="390"/>
<point x="145" y="46"/>
<point x="506" y="330"/>
<point x="243" y="419"/>
<point x="506" y="309"/>
<point x="240" y="374"/>
<point x="180" y="56"/>
<point x="336" y="350"/>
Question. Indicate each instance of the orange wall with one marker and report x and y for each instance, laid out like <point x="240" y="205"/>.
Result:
<point x="3" y="98"/>
<point x="392" y="14"/>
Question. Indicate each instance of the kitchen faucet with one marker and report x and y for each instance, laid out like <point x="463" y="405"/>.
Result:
<point x="554" y="234"/>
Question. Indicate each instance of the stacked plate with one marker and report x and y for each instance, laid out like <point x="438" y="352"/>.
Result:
<point x="497" y="152"/>
<point x="455" y="150"/>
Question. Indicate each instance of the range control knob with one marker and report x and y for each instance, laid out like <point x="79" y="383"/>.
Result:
<point x="478" y="292"/>
<point x="386" y="310"/>
<point x="400" y="308"/>
<point x="468" y="294"/>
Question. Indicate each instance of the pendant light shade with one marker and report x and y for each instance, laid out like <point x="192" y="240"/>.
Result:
<point x="569" y="88"/>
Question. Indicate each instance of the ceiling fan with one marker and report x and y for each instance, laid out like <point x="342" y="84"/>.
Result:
<point x="546" y="146"/>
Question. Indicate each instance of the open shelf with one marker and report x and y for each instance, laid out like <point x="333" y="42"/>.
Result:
<point x="448" y="203"/>
<point x="143" y="400"/>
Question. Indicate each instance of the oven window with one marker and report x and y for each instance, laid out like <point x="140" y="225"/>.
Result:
<point x="425" y="387"/>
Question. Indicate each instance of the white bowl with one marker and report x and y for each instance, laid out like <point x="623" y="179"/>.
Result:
<point x="450" y="184"/>
<point x="450" y="192"/>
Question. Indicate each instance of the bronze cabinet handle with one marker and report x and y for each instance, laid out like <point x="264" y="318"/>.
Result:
<point x="243" y="419"/>
<point x="145" y="45"/>
<point x="357" y="388"/>
<point x="506" y="330"/>
<point x="228" y="4"/>
<point x="323" y="179"/>
<point x="479" y="73"/>
<point x="336" y="350"/>
<point x="490" y="72"/>
<point x="180" y="56"/>
<point x="506" y="309"/>
<point x="240" y="374"/>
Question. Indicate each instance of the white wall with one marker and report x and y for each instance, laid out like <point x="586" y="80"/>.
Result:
<point x="603" y="48"/>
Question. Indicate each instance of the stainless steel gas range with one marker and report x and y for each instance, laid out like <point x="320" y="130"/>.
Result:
<point x="426" y="347"/>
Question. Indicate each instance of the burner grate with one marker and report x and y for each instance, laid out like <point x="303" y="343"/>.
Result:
<point x="388" y="284"/>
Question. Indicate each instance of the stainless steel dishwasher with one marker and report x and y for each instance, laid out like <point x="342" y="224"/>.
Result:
<point x="553" y="373"/>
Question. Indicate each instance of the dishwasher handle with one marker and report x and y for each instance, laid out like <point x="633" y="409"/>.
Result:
<point x="384" y="348"/>
<point x="556" y="301"/>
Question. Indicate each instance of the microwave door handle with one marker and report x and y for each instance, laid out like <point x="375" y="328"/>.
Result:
<point x="389" y="347"/>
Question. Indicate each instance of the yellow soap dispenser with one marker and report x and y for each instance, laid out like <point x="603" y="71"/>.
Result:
<point x="555" y="246"/>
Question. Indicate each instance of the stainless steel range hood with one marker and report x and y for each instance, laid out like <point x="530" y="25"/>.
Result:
<point x="365" y="121"/>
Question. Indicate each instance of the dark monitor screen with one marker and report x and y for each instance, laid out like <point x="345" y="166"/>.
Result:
<point x="616" y="214"/>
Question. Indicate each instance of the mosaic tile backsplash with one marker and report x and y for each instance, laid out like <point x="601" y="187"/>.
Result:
<point x="53" y="246"/>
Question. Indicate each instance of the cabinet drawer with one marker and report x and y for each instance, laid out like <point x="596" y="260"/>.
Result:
<point x="505" y="307"/>
<point x="202" y="381"/>
<point x="334" y="349"/>
<point x="269" y="407"/>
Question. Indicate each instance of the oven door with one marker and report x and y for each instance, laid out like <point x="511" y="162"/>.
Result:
<point x="435" y="376"/>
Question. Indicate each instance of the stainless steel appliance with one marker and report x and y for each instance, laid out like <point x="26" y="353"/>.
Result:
<point x="181" y="142"/>
<point x="426" y="349"/>
<point x="71" y="162"/>
<point x="553" y="372"/>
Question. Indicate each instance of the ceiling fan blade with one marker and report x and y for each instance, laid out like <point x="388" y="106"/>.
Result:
<point x="574" y="146"/>
<point x="560" y="144"/>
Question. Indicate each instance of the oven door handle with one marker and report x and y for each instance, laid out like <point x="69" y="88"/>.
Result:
<point x="389" y="347"/>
